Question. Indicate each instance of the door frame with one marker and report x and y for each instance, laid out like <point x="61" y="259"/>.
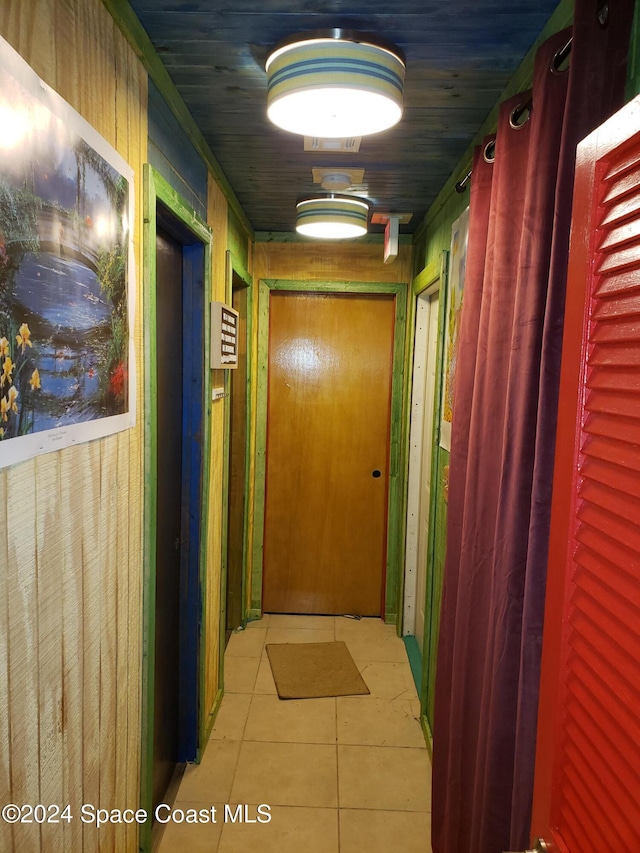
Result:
<point x="196" y="459"/>
<point x="437" y="272"/>
<point x="234" y="267"/>
<point x="414" y="462"/>
<point x="395" y="503"/>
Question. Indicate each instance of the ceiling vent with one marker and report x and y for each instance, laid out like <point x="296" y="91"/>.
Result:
<point x="349" y="144"/>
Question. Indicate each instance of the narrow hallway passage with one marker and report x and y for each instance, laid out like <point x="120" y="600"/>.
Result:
<point x="344" y="774"/>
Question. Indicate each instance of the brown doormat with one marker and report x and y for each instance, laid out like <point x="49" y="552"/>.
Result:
<point x="314" y="670"/>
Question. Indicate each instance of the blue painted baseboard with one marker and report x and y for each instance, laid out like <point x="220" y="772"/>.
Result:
<point x="415" y="660"/>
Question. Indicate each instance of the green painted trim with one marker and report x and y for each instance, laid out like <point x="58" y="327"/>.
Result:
<point x="294" y="237"/>
<point x="156" y="189"/>
<point x="410" y="334"/>
<point x="254" y="615"/>
<point x="136" y="35"/>
<point x="429" y="275"/>
<point x="334" y="286"/>
<point x="397" y="473"/>
<point x="237" y="267"/>
<point x="397" y="511"/>
<point x="224" y="509"/>
<point x="150" y="508"/>
<point x="428" y="735"/>
<point x="430" y="638"/>
<point x="211" y="718"/>
<point x="633" y="65"/>
<point x="234" y="266"/>
<point x="415" y="660"/>
<point x="260" y="465"/>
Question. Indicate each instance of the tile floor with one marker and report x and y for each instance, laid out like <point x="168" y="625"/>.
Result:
<point x="350" y="774"/>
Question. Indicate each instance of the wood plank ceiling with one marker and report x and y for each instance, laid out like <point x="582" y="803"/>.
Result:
<point x="460" y="55"/>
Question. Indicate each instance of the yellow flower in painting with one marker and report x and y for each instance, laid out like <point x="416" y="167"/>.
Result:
<point x="35" y="380"/>
<point x="4" y="347"/>
<point x="6" y="372"/>
<point x="1" y="432"/>
<point x="4" y="408"/>
<point x="13" y="396"/>
<point x="24" y="337"/>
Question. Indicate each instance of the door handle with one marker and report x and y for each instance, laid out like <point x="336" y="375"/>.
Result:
<point x="540" y="847"/>
<point x="376" y="473"/>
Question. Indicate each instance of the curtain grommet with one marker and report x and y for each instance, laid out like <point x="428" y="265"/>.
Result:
<point x="520" y="115"/>
<point x="489" y="152"/>
<point x="562" y="58"/>
<point x="603" y="13"/>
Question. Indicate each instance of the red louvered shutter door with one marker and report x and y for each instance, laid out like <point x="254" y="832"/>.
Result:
<point x="587" y="793"/>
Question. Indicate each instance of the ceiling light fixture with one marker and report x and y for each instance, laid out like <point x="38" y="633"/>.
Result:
<point x="335" y="84"/>
<point x="332" y="217"/>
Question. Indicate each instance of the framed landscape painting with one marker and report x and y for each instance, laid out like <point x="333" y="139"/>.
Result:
<point x="66" y="273"/>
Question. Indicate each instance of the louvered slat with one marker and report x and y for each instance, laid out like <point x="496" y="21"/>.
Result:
<point x="618" y="677"/>
<point x="624" y="354"/>
<point x="613" y="380"/>
<point x="619" y="306"/>
<point x="625" y="233"/>
<point x="589" y="693"/>
<point x="624" y="282"/>
<point x="625" y="468"/>
<point x="598" y="784"/>
<point x="614" y="404"/>
<point x="624" y="185"/>
<point x="627" y="328"/>
<point x="579" y="812"/>
<point x="613" y="527"/>
<point x="621" y="561"/>
<point x="629" y="206"/>
<point x="617" y="261"/>
<point x="613" y="820"/>
<point x="619" y="452"/>
<point x="608" y="596"/>
<point x="613" y="501"/>
<point x="622" y="165"/>
<point x="623" y="428"/>
<point x="591" y="616"/>
<point x="608" y="788"/>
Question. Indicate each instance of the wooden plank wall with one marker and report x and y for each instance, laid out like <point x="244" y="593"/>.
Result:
<point x="71" y="521"/>
<point x="324" y="261"/>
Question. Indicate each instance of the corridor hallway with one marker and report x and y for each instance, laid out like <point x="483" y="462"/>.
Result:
<point x="350" y="774"/>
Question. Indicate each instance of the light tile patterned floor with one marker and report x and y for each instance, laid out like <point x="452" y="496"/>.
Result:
<point x="342" y="775"/>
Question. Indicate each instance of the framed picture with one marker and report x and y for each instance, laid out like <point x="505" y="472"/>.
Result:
<point x="67" y="298"/>
<point x="455" y="291"/>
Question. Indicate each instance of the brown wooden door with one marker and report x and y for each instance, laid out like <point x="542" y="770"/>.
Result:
<point x="329" y="402"/>
<point x="587" y="793"/>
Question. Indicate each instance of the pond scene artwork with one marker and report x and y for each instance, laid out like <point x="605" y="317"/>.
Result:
<point x="64" y="243"/>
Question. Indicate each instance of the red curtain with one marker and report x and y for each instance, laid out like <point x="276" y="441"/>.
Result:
<point x="503" y="433"/>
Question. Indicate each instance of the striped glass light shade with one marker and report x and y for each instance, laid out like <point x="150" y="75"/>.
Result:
<point x="334" y="85"/>
<point x="332" y="217"/>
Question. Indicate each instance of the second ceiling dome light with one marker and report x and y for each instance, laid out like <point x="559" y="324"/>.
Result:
<point x="335" y="84"/>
